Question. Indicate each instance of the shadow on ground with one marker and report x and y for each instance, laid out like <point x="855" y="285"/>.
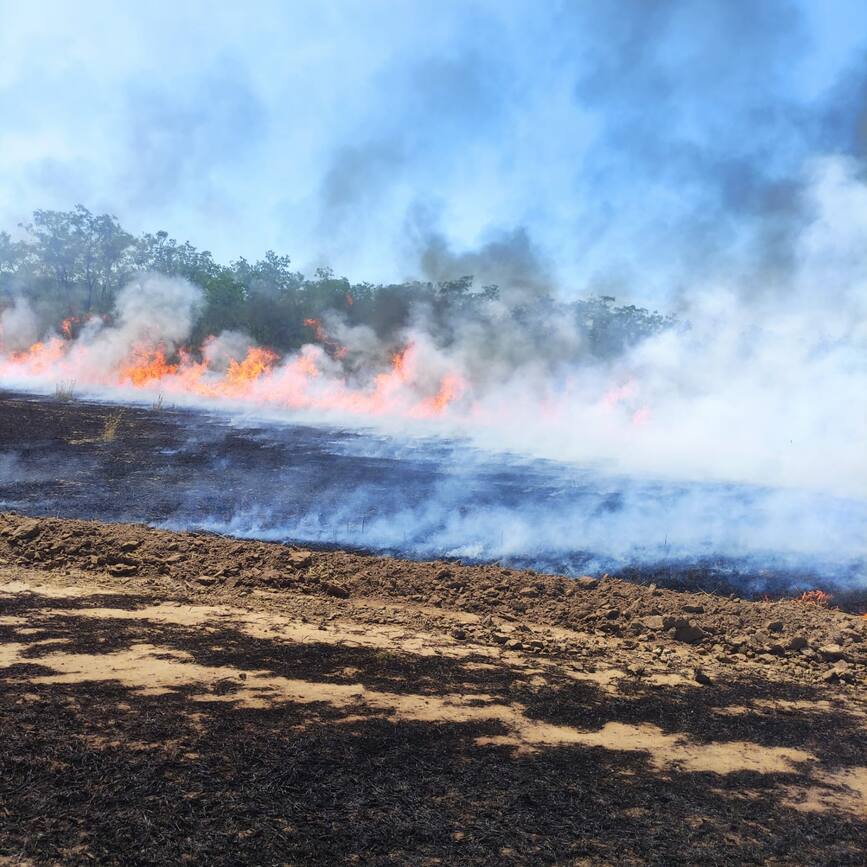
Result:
<point x="232" y="748"/>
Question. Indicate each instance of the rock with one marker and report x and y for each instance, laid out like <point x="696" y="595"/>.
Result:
<point x="797" y="642"/>
<point x="701" y="677"/>
<point x="120" y="570"/>
<point x="442" y="574"/>
<point x="299" y="559"/>
<point x="843" y="671"/>
<point x="693" y="609"/>
<point x="585" y="582"/>
<point x="776" y="648"/>
<point x="528" y="591"/>
<point x="689" y="634"/>
<point x="458" y="634"/>
<point x="24" y="531"/>
<point x="514" y="644"/>
<point x="205" y="580"/>
<point x="130" y="545"/>
<point x="775" y="626"/>
<point x="831" y="652"/>
<point x="499" y="638"/>
<point x="635" y="669"/>
<point x="612" y="614"/>
<point x="333" y="589"/>
<point x="269" y="576"/>
<point x="655" y="622"/>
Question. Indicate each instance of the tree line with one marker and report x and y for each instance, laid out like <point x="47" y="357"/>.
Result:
<point x="75" y="262"/>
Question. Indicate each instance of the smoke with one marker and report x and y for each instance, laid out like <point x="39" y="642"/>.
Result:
<point x="759" y="387"/>
<point x="737" y="431"/>
<point x="19" y="326"/>
<point x="152" y="313"/>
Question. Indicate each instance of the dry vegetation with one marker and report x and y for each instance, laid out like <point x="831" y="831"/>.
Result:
<point x="65" y="391"/>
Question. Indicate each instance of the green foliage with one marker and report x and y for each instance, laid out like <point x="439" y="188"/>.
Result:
<point x="73" y="262"/>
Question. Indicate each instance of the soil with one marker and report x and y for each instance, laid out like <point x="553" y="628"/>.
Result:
<point x="184" y="697"/>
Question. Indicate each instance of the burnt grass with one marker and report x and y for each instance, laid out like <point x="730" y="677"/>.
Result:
<point x="98" y="772"/>
<point x="188" y="468"/>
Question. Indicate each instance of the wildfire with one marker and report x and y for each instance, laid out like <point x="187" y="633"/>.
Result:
<point x="256" y="362"/>
<point x="399" y="361"/>
<point x="318" y="331"/>
<point x="40" y="356"/>
<point x="145" y="366"/>
<point x="335" y="349"/>
<point x="307" y="380"/>
<point x="815" y="597"/>
<point x="451" y="387"/>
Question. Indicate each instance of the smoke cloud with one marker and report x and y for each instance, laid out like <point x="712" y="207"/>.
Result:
<point x="19" y="325"/>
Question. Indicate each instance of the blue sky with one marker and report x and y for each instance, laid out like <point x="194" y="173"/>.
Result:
<point x="625" y="146"/>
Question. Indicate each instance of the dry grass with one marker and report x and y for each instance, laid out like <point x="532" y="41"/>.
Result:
<point x="111" y="425"/>
<point x="65" y="391"/>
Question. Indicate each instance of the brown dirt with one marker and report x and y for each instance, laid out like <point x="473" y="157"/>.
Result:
<point x="184" y="697"/>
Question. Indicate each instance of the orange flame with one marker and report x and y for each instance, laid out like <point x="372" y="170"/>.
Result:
<point x="40" y="356"/>
<point x="451" y="387"/>
<point x="815" y="597"/>
<point x="146" y="365"/>
<point x="256" y="362"/>
<point x="318" y="331"/>
<point x="66" y="326"/>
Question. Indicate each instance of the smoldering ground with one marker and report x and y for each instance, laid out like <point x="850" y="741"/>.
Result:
<point x="423" y="498"/>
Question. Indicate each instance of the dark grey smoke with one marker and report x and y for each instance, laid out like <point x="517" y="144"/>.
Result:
<point x="509" y="259"/>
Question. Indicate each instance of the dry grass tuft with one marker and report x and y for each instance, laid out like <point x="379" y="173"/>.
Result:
<point x="112" y="423"/>
<point x="65" y="391"/>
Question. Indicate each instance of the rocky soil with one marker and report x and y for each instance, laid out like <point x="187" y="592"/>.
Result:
<point x="803" y="640"/>
<point x="170" y="697"/>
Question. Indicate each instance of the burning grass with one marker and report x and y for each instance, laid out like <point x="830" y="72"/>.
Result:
<point x="815" y="597"/>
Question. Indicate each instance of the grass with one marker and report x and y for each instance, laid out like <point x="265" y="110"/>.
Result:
<point x="111" y="425"/>
<point x="65" y="391"/>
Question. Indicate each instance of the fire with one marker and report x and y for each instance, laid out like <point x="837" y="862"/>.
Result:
<point x="145" y="366"/>
<point x="311" y="379"/>
<point x="815" y="597"/>
<point x="399" y="361"/>
<point x="318" y="331"/>
<point x="334" y="349"/>
<point x="256" y="362"/>
<point x="451" y="387"/>
<point x="40" y="356"/>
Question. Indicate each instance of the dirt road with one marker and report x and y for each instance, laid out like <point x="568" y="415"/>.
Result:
<point x="183" y="697"/>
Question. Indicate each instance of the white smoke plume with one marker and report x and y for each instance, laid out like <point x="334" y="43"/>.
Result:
<point x="19" y="326"/>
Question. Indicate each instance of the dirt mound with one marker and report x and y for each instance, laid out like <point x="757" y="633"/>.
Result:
<point x="805" y="639"/>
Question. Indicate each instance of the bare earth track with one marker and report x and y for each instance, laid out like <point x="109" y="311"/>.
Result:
<point x="185" y="697"/>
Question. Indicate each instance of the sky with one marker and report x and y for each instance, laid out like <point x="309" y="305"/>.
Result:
<point x="633" y="147"/>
